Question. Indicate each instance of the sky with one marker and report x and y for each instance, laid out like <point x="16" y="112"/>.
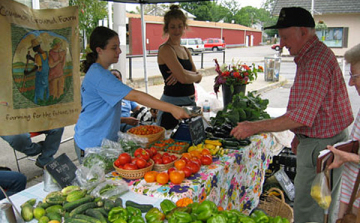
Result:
<point x="242" y="3"/>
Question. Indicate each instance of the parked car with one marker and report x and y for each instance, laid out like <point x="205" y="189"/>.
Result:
<point x="276" y="47"/>
<point x="214" y="44"/>
<point x="195" y="45"/>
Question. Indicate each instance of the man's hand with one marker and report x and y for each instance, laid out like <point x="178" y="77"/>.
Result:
<point x="243" y="130"/>
<point x="130" y="121"/>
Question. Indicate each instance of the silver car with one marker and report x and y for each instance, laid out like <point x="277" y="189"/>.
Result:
<point x="195" y="45"/>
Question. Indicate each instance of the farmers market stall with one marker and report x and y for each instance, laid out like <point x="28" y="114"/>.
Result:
<point x="231" y="181"/>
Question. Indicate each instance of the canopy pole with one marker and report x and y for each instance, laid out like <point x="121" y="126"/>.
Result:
<point x="143" y="30"/>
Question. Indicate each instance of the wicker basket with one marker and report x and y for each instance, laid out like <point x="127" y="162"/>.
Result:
<point x="275" y="206"/>
<point x="151" y="138"/>
<point x="134" y="174"/>
<point x="164" y="167"/>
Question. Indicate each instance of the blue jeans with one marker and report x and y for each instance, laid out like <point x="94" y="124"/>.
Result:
<point x="12" y="182"/>
<point x="46" y="149"/>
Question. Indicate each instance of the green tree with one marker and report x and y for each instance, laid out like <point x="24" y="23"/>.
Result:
<point x="90" y="12"/>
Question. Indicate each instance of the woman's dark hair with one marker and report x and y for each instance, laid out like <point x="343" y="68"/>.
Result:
<point x="99" y="38"/>
<point x="174" y="13"/>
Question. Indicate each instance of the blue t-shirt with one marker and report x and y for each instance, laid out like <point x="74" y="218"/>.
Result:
<point x="127" y="107"/>
<point x="101" y="95"/>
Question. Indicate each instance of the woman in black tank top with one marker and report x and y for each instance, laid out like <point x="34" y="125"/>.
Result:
<point x="176" y="66"/>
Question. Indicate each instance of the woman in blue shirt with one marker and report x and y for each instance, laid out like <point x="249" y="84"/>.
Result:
<point x="101" y="94"/>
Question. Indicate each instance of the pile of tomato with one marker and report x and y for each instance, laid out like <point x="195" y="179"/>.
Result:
<point x="145" y="130"/>
<point x="140" y="160"/>
<point x="188" y="164"/>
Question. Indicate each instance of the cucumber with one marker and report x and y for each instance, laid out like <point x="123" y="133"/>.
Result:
<point x="75" y="220"/>
<point x="57" y="208"/>
<point x="72" y="205"/>
<point x="82" y="208"/>
<point x="87" y="218"/>
<point x="118" y="202"/>
<point x="108" y="204"/>
<point x="143" y="207"/>
<point x="102" y="211"/>
<point x="96" y="214"/>
<point x="54" y="216"/>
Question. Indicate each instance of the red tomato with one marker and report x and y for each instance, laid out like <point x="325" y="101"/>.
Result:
<point x="153" y="150"/>
<point x="158" y="161"/>
<point x="185" y="159"/>
<point x="187" y="171"/>
<point x="150" y="152"/>
<point x="138" y="152"/>
<point x="196" y="160"/>
<point x="206" y="159"/>
<point x="133" y="160"/>
<point x="148" y="163"/>
<point x="165" y="154"/>
<point x="173" y="157"/>
<point x="157" y="156"/>
<point x="124" y="158"/>
<point x="141" y="163"/>
<point x="171" y="170"/>
<point x="117" y="163"/>
<point x="193" y="166"/>
<point x="130" y="166"/>
<point x="166" y="159"/>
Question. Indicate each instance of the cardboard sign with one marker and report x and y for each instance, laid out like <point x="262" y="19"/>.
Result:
<point x="197" y="130"/>
<point x="62" y="169"/>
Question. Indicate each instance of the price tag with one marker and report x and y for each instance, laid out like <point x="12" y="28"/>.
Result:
<point x="197" y="131"/>
<point x="62" y="169"/>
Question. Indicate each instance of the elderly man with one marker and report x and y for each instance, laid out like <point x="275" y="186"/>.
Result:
<point x="318" y="111"/>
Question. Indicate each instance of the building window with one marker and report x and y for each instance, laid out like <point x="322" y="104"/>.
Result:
<point x="336" y="37"/>
<point x="28" y="3"/>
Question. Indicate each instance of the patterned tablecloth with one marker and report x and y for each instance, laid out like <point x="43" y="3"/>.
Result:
<point x="232" y="181"/>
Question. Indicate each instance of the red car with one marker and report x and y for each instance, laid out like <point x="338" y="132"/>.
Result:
<point x="276" y="47"/>
<point x="214" y="44"/>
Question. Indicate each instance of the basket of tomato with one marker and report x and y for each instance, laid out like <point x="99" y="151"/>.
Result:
<point x="133" y="167"/>
<point x="152" y="132"/>
<point x="163" y="160"/>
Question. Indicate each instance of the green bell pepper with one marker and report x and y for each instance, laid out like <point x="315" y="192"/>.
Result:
<point x="231" y="217"/>
<point x="136" y="219"/>
<point x="217" y="218"/>
<point x="184" y="209"/>
<point x="133" y="211"/>
<point x="205" y="210"/>
<point x="285" y="220"/>
<point x="180" y="217"/>
<point x="167" y="205"/>
<point x="120" y="220"/>
<point x="194" y="206"/>
<point x="117" y="213"/>
<point x="276" y="219"/>
<point x="247" y="220"/>
<point x="154" y="215"/>
<point x="259" y="216"/>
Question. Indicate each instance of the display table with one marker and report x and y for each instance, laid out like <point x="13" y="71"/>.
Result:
<point x="233" y="181"/>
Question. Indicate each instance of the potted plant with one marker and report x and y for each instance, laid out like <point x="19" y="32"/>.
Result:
<point x="233" y="78"/>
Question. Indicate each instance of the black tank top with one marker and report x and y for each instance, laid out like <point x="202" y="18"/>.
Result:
<point x="178" y="89"/>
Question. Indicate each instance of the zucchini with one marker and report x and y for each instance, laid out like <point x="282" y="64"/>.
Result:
<point x="96" y="214"/>
<point x="72" y="205"/>
<point x="87" y="218"/>
<point x="143" y="207"/>
<point x="227" y="143"/>
<point x="82" y="208"/>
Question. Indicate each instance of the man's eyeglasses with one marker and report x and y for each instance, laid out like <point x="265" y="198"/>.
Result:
<point x="353" y="76"/>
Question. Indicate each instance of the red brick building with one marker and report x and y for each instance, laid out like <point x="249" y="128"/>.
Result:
<point x="234" y="35"/>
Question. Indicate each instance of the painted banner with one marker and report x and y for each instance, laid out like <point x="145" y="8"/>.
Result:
<point x="39" y="68"/>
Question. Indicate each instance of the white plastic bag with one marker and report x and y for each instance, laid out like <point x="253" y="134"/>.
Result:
<point x="320" y="191"/>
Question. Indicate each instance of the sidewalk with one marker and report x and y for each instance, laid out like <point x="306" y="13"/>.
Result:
<point x="155" y="88"/>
